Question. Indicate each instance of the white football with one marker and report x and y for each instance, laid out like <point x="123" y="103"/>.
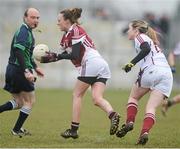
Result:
<point x="39" y="51"/>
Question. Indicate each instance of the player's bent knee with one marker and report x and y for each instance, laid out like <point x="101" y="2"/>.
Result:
<point x="19" y="103"/>
<point x="97" y="101"/>
<point x="29" y="103"/>
<point x="77" y="95"/>
<point x="133" y="100"/>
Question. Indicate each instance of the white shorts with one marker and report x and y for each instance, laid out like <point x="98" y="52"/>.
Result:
<point x="158" y="78"/>
<point x="95" y="67"/>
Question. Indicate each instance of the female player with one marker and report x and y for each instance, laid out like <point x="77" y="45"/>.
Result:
<point x="155" y="77"/>
<point x="93" y="69"/>
<point x="172" y="60"/>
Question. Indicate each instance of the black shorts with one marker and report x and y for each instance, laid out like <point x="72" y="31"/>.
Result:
<point x="92" y="80"/>
<point x="15" y="81"/>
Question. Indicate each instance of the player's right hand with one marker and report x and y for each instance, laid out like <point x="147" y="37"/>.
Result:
<point x="49" y="57"/>
<point x="128" y="67"/>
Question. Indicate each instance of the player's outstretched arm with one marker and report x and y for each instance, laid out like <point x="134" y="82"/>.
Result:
<point x="49" y="57"/>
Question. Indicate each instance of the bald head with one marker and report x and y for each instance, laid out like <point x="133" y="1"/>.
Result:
<point x="30" y="10"/>
<point x="31" y="17"/>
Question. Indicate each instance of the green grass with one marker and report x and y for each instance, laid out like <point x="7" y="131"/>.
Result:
<point x="52" y="115"/>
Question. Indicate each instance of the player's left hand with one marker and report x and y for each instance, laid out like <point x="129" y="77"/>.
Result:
<point x="49" y="57"/>
<point x="128" y="67"/>
<point x="39" y="72"/>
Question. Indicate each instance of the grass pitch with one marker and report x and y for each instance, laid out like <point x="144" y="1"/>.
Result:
<point x="51" y="115"/>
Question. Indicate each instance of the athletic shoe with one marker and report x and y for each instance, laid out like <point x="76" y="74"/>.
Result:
<point x="114" y="123"/>
<point x="125" y="129"/>
<point x="69" y="134"/>
<point x="20" y="133"/>
<point x="143" y="139"/>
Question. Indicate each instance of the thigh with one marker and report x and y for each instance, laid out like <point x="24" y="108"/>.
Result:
<point x="98" y="89"/>
<point x="80" y="88"/>
<point x="18" y="99"/>
<point x="138" y="92"/>
<point x="155" y="99"/>
<point x="28" y="97"/>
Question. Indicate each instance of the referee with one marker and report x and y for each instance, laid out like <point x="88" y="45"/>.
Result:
<point x="19" y="72"/>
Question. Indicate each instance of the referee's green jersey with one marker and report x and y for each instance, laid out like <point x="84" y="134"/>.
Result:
<point x="23" y="39"/>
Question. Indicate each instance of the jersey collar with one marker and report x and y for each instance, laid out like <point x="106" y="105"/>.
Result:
<point x="71" y="27"/>
<point x="27" y="26"/>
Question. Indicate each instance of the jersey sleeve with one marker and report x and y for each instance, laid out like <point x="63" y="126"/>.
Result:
<point x="140" y="39"/>
<point x="21" y="39"/>
<point x="78" y="35"/>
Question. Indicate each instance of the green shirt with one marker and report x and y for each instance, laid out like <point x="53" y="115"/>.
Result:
<point x="23" y="39"/>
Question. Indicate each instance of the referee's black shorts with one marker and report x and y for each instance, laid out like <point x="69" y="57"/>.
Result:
<point x="15" y="81"/>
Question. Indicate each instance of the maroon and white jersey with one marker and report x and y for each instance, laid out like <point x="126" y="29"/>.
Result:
<point x="75" y="35"/>
<point x="155" y="56"/>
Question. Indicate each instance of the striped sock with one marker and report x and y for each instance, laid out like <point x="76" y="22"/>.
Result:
<point x="148" y="122"/>
<point x="14" y="104"/>
<point x="131" y="112"/>
<point x="111" y="114"/>
<point x="74" y="126"/>
<point x="24" y="113"/>
<point x="10" y="105"/>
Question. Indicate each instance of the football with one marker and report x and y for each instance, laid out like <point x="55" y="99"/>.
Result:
<point x="39" y="51"/>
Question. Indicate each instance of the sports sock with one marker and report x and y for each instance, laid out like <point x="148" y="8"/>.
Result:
<point x="24" y="113"/>
<point x="10" y="105"/>
<point x="111" y="114"/>
<point x="74" y="126"/>
<point x="148" y="122"/>
<point x="131" y="112"/>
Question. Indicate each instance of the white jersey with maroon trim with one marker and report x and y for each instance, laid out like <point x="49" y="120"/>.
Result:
<point x="155" y="56"/>
<point x="75" y="35"/>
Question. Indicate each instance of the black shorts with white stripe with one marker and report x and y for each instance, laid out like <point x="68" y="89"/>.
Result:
<point x="92" y="80"/>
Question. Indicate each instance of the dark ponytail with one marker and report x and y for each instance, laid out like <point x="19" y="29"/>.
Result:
<point x="72" y="14"/>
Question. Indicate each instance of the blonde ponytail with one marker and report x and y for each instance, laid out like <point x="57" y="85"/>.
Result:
<point x="153" y="35"/>
<point x="143" y="27"/>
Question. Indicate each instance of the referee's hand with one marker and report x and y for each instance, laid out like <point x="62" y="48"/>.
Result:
<point x="29" y="76"/>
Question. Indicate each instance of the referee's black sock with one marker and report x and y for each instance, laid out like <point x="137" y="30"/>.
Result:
<point x="24" y="113"/>
<point x="10" y="105"/>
